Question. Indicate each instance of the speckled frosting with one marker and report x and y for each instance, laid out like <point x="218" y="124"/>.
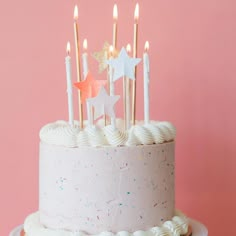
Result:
<point x="93" y="190"/>
<point x="106" y="181"/>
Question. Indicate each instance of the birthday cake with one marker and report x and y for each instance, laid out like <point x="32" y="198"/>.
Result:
<point x="104" y="175"/>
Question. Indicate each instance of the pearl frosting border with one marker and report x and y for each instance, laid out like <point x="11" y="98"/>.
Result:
<point x="177" y="226"/>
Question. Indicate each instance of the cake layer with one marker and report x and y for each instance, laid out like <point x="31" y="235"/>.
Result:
<point x="107" y="188"/>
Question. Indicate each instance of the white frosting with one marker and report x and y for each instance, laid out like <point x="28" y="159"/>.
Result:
<point x="62" y="134"/>
<point x="82" y="139"/>
<point x="175" y="227"/>
<point x="115" y="136"/>
<point x="143" y="134"/>
<point x="59" y="133"/>
<point x="95" y="136"/>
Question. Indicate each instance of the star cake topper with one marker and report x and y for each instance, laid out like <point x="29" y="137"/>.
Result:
<point x="102" y="56"/>
<point x="103" y="103"/>
<point x="89" y="87"/>
<point x="123" y="65"/>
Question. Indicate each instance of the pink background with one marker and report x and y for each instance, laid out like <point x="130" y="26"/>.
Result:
<point x="193" y="85"/>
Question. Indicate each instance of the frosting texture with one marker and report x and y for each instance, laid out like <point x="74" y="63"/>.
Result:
<point x="177" y="226"/>
<point x="107" y="188"/>
<point x="62" y="134"/>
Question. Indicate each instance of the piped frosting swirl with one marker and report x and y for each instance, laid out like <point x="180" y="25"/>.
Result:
<point x="62" y="134"/>
<point x="59" y="133"/>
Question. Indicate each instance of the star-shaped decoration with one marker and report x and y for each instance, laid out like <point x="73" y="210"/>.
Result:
<point x="103" y="104"/>
<point x="102" y="57"/>
<point x="123" y="65"/>
<point x="89" y="87"/>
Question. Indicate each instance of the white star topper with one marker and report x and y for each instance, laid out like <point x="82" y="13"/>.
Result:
<point x="103" y="103"/>
<point x="123" y="65"/>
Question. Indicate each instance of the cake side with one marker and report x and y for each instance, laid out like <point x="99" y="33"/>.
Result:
<point x="107" y="188"/>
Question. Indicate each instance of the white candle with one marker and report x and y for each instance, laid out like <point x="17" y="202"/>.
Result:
<point x="112" y="85"/>
<point x="146" y="70"/>
<point x="85" y="58"/>
<point x="69" y="86"/>
<point x="128" y="49"/>
<point x="89" y="114"/>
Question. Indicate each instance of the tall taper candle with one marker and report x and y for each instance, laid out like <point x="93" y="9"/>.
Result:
<point x="115" y="17"/>
<point x="135" y="46"/>
<point x="85" y="58"/>
<point x="69" y="85"/>
<point x="77" y="53"/>
<point x="146" y="69"/>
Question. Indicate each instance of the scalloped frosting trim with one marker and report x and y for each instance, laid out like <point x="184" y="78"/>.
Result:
<point x="62" y="134"/>
<point x="177" y="226"/>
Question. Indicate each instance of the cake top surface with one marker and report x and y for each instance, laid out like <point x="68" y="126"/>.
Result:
<point x="97" y="98"/>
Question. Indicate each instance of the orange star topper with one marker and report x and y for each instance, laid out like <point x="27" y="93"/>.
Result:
<point x="89" y="87"/>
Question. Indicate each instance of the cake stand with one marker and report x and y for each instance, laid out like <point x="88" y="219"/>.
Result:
<point x="198" y="229"/>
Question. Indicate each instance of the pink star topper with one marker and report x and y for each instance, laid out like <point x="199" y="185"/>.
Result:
<point x="123" y="65"/>
<point x="103" y="103"/>
<point x="89" y="87"/>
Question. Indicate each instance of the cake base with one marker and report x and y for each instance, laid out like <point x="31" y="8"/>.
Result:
<point x="197" y="229"/>
<point x="22" y="232"/>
